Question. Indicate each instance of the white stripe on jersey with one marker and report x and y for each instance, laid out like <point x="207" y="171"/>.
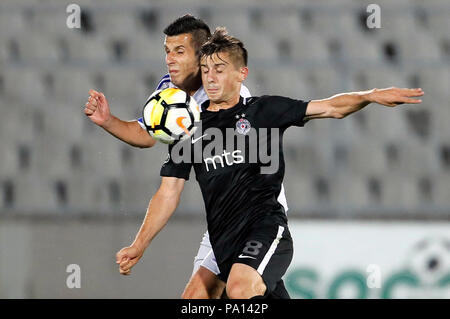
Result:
<point x="271" y="250"/>
<point x="282" y="199"/>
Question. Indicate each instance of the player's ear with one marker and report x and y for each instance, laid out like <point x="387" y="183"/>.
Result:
<point x="243" y="73"/>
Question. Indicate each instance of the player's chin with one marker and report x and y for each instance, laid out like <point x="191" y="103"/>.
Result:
<point x="214" y="95"/>
<point x="177" y="79"/>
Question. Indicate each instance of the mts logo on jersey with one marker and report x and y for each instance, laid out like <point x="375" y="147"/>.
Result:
<point x="221" y="148"/>
<point x="226" y="158"/>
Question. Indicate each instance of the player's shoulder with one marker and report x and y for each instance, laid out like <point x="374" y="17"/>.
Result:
<point x="264" y="99"/>
<point x="164" y="83"/>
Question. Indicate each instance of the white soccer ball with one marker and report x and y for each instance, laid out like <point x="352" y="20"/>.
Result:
<point x="430" y="259"/>
<point x="170" y="115"/>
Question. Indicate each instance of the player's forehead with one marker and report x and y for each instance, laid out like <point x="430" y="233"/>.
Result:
<point x="216" y="59"/>
<point x="179" y="40"/>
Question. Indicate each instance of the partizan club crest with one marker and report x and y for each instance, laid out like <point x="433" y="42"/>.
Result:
<point x="243" y="126"/>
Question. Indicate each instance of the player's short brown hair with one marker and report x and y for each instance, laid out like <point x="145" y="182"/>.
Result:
<point x="221" y="41"/>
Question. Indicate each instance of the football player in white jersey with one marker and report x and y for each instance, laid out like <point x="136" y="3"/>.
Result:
<point x="184" y="37"/>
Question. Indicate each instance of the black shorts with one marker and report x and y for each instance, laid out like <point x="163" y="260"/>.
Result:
<point x="267" y="247"/>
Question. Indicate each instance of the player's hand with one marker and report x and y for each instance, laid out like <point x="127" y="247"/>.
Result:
<point x="128" y="257"/>
<point x="395" y="96"/>
<point x="97" y="108"/>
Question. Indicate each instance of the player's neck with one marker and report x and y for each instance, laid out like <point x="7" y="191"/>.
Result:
<point x="191" y="85"/>
<point x="223" y="105"/>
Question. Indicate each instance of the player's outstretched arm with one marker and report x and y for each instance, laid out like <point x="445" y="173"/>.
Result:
<point x="159" y="210"/>
<point x="98" y="111"/>
<point x="341" y="105"/>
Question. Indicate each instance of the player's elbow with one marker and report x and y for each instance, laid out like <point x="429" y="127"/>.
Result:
<point x="338" y="115"/>
<point x="147" y="144"/>
<point x="146" y="141"/>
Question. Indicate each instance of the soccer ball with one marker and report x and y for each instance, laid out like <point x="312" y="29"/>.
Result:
<point x="169" y="115"/>
<point x="430" y="259"/>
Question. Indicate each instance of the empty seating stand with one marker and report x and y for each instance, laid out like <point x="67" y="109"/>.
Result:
<point x="379" y="160"/>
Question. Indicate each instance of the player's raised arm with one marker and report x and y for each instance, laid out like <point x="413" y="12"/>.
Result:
<point x="98" y="111"/>
<point x="160" y="208"/>
<point x="341" y="105"/>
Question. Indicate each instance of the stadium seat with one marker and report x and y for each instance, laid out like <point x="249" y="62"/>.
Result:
<point x="397" y="22"/>
<point x="418" y="158"/>
<point x="58" y="163"/>
<point x="137" y="192"/>
<point x="237" y="23"/>
<point x="308" y="47"/>
<point x="322" y="81"/>
<point x="418" y="46"/>
<point x="273" y="81"/>
<point x="380" y="76"/>
<point x="283" y="21"/>
<point x="13" y="21"/>
<point x="337" y="17"/>
<point x="92" y="194"/>
<point x="16" y="79"/>
<point x="442" y="185"/>
<point x="125" y="84"/>
<point x="87" y="48"/>
<point x="16" y="123"/>
<point x="366" y="158"/>
<point x="72" y="85"/>
<point x="102" y="154"/>
<point x="9" y="165"/>
<point x="260" y="48"/>
<point x="34" y="194"/>
<point x="435" y="81"/>
<point x="115" y="22"/>
<point x="50" y="19"/>
<point x="441" y="114"/>
<point x="438" y="20"/>
<point x="147" y="49"/>
<point x="321" y="130"/>
<point x="303" y="158"/>
<point x="300" y="195"/>
<point x="379" y="159"/>
<point x="5" y="51"/>
<point x="399" y="192"/>
<point x="37" y="47"/>
<point x="359" y="48"/>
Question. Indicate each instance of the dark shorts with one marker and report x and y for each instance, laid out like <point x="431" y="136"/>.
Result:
<point x="267" y="247"/>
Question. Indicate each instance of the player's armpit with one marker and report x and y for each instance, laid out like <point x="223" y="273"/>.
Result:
<point x="317" y="109"/>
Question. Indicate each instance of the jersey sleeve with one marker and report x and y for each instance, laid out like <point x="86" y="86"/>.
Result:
<point x="279" y="111"/>
<point x="172" y="168"/>
<point x="141" y="122"/>
<point x="164" y="83"/>
<point x="245" y="91"/>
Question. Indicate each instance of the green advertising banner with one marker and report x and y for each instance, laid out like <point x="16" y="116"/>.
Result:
<point x="373" y="260"/>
